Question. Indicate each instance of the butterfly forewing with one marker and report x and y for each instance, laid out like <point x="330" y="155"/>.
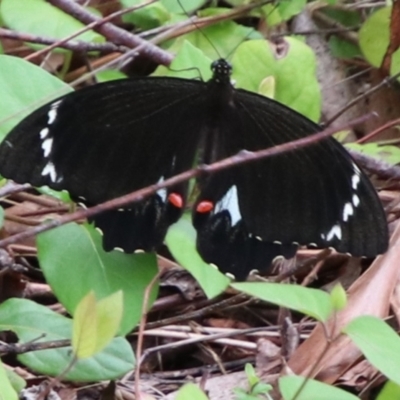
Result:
<point x="108" y="140"/>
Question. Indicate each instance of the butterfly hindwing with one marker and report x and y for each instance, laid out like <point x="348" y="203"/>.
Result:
<point x="314" y="195"/>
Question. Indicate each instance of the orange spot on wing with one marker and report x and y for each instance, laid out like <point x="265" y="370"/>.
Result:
<point x="176" y="200"/>
<point x="204" y="206"/>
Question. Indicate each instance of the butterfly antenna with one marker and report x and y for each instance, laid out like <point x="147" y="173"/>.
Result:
<point x="199" y="28"/>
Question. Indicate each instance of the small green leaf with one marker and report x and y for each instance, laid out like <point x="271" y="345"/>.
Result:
<point x="390" y="391"/>
<point x="267" y="87"/>
<point x="7" y="392"/>
<point x="181" y="242"/>
<point x="251" y="375"/>
<point x="33" y="322"/>
<point x="387" y="153"/>
<point x="1" y="216"/>
<point x="338" y="297"/>
<point x="312" y="302"/>
<point x="374" y="36"/>
<point x="95" y="323"/>
<point x="313" y="390"/>
<point x="149" y="17"/>
<point x="109" y="316"/>
<point x="189" y="63"/>
<point x="182" y="6"/>
<point x="281" y="11"/>
<point x="84" y="327"/>
<point x="190" y="391"/>
<point x="379" y="343"/>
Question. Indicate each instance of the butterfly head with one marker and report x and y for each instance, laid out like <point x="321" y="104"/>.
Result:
<point x="222" y="71"/>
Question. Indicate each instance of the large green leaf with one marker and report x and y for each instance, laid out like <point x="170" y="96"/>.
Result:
<point x="181" y="241"/>
<point x="24" y="87"/>
<point x="313" y="390"/>
<point x="312" y="302"/>
<point x="379" y="343"/>
<point x="34" y="322"/>
<point x="74" y="263"/>
<point x="38" y="17"/>
<point x="294" y="73"/>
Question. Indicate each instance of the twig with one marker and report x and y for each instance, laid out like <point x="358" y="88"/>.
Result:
<point x="113" y="33"/>
<point x="74" y="45"/>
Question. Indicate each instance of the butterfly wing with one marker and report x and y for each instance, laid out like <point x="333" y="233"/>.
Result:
<point x="313" y="195"/>
<point x="107" y="140"/>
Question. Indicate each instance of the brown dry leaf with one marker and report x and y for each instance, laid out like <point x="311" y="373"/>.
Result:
<point x="371" y="295"/>
<point x="359" y="375"/>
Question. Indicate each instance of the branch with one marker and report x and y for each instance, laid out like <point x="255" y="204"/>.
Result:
<point x="113" y="33"/>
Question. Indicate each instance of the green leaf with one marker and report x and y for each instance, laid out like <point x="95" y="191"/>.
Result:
<point x="19" y="97"/>
<point x="313" y="390"/>
<point x="74" y="254"/>
<point x="95" y="323"/>
<point x="183" y="6"/>
<point x="390" y="391"/>
<point x="189" y="63"/>
<point x="181" y="242"/>
<point x="84" y="327"/>
<point x="251" y="375"/>
<point x="190" y="391"/>
<point x="338" y="297"/>
<point x="341" y="48"/>
<point x="312" y="302"/>
<point x="295" y="87"/>
<point x="109" y="316"/>
<point x="215" y="41"/>
<point x="387" y="153"/>
<point x="7" y="392"/>
<point x="374" y="36"/>
<point x="16" y="381"/>
<point x="109" y="75"/>
<point x="281" y="11"/>
<point x="33" y="322"/>
<point x="38" y="17"/>
<point x="379" y="343"/>
<point x="1" y="217"/>
<point x="149" y="17"/>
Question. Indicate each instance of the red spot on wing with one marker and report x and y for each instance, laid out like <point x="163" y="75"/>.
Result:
<point x="204" y="206"/>
<point x="176" y="200"/>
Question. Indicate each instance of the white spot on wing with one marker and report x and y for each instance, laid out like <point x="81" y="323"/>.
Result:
<point x="52" y="114"/>
<point x="230" y="202"/>
<point x="356" y="200"/>
<point x="348" y="210"/>
<point x="46" y="146"/>
<point x="162" y="192"/>
<point x="336" y="230"/>
<point x="49" y="169"/>
<point x="44" y="132"/>
<point x="355" y="180"/>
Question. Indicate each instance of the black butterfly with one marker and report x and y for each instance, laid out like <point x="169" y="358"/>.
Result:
<point x="112" y="138"/>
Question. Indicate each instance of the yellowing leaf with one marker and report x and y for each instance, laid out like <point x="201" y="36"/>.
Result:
<point x="84" y="329"/>
<point x="96" y="323"/>
<point x="109" y="316"/>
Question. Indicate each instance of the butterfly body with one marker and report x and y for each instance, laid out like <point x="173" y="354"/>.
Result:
<point x="110" y="139"/>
